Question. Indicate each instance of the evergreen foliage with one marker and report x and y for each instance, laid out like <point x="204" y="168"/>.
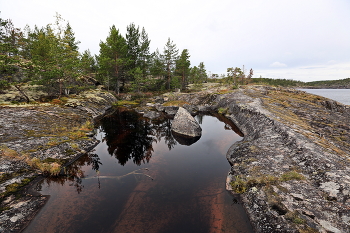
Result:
<point x="113" y="60"/>
<point x="12" y="66"/>
<point x="341" y="83"/>
<point x="278" y="82"/>
<point x="170" y="55"/>
<point x="50" y="56"/>
<point x="183" y="68"/>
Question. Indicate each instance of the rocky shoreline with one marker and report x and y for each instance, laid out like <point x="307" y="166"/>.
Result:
<point x="291" y="168"/>
<point x="56" y="133"/>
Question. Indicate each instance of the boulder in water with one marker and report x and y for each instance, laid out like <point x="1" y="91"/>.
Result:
<point x="185" y="124"/>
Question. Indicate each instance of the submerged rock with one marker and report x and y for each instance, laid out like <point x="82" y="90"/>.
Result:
<point x="185" y="124"/>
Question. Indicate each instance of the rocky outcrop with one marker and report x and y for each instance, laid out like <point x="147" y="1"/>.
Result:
<point x="33" y="92"/>
<point x="57" y="132"/>
<point x="185" y="124"/>
<point x="292" y="166"/>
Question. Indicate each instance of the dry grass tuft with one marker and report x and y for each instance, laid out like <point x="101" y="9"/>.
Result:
<point x="52" y="169"/>
<point x="7" y="152"/>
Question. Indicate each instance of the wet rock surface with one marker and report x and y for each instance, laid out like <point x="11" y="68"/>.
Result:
<point x="48" y="132"/>
<point x="293" y="165"/>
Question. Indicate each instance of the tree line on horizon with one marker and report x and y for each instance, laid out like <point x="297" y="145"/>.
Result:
<point x="340" y="83"/>
<point x="49" y="56"/>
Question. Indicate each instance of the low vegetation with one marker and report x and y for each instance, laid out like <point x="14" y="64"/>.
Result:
<point x="126" y="102"/>
<point x="178" y="103"/>
<point x="47" y="167"/>
<point x="15" y="187"/>
<point x="50" y="166"/>
<point x="243" y="184"/>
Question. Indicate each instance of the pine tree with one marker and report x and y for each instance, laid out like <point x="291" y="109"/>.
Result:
<point x="170" y="55"/>
<point x="54" y="52"/>
<point x="194" y="75"/>
<point x="198" y="74"/>
<point x="157" y="68"/>
<point x="144" y="55"/>
<point x="112" y="59"/>
<point x="138" y="54"/>
<point x="183" y="67"/>
<point x="133" y="47"/>
<point x="88" y="64"/>
<point x="69" y="60"/>
<point x="12" y="67"/>
<point x="202" y="73"/>
<point x="9" y="36"/>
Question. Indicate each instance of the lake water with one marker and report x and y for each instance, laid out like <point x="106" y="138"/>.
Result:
<point x="142" y="179"/>
<point x="340" y="95"/>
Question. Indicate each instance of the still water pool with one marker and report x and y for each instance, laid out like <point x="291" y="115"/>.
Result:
<point x="141" y="179"/>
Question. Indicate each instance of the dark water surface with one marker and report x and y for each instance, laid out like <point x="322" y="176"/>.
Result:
<point x="141" y="179"/>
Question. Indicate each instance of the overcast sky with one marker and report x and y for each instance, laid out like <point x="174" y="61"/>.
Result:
<point x="304" y="40"/>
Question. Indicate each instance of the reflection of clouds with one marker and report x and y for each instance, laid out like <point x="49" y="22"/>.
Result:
<point x="224" y="144"/>
<point x="226" y="137"/>
<point x="221" y="145"/>
<point x="160" y="149"/>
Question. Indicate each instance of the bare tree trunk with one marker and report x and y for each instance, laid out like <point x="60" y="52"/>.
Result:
<point x="60" y="88"/>
<point x="116" y="74"/>
<point x="18" y="87"/>
<point x="183" y="80"/>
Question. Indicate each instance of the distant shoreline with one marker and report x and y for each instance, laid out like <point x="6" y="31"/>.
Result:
<point x="323" y="87"/>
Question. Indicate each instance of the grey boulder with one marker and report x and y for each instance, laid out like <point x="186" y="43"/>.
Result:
<point x="185" y="124"/>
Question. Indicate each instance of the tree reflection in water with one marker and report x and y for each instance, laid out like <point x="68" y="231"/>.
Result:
<point x="74" y="173"/>
<point x="128" y="135"/>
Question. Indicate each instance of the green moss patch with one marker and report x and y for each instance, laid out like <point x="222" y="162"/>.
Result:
<point x="126" y="102"/>
<point x="178" y="103"/>
<point x="15" y="187"/>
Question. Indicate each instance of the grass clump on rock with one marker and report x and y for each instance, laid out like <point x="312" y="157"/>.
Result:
<point x="292" y="175"/>
<point x="179" y="103"/>
<point x="125" y="102"/>
<point x="52" y="169"/>
<point x="241" y="185"/>
<point x="7" y="152"/>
